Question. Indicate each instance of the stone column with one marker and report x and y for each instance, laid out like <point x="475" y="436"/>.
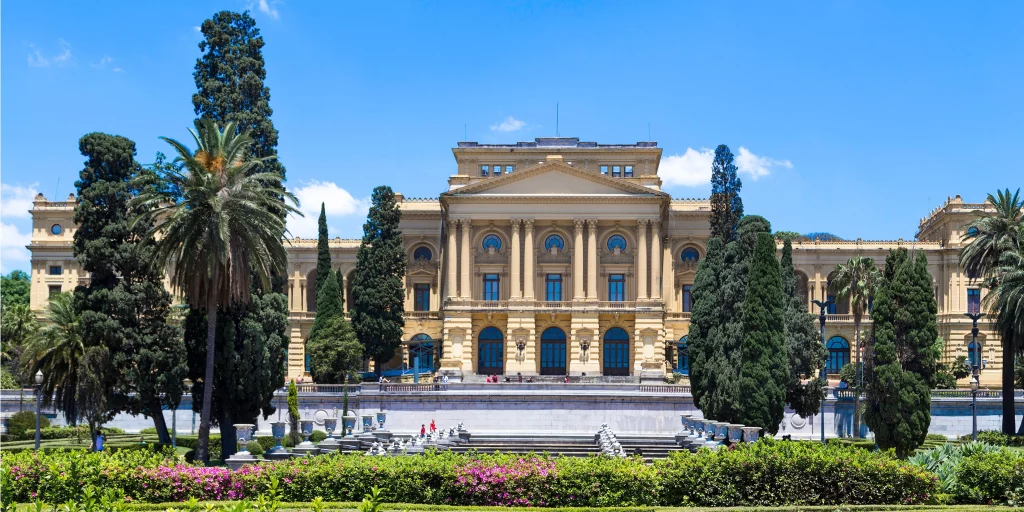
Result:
<point x="667" y="277"/>
<point x="453" y="262"/>
<point x="531" y="255"/>
<point x="641" y="259"/>
<point x="465" y="286"/>
<point x="592" y="260"/>
<point x="577" y="261"/>
<point x="655" y="259"/>
<point x="514" y="274"/>
<point x="296" y="290"/>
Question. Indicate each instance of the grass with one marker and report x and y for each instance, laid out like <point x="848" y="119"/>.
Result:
<point x="347" y="506"/>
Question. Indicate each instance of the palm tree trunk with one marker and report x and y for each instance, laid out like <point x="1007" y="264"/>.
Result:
<point x="203" y="443"/>
<point x="1009" y="412"/>
<point x="858" y="377"/>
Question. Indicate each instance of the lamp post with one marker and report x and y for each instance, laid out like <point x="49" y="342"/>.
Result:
<point x="823" y="306"/>
<point x="39" y="403"/>
<point x="975" y="372"/>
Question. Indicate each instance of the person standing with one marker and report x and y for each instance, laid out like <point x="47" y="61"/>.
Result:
<point x="433" y="426"/>
<point x="423" y="430"/>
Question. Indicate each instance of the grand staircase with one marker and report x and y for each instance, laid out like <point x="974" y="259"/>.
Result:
<point x="569" y="446"/>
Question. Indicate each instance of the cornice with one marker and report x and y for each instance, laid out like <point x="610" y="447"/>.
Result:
<point x="618" y="183"/>
<point x="472" y="199"/>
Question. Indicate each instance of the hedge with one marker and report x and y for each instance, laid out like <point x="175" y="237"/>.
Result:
<point x="997" y="438"/>
<point x="766" y="473"/>
<point x="995" y="477"/>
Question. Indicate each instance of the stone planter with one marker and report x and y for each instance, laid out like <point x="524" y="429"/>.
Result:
<point x="306" y="447"/>
<point x="330" y="444"/>
<point x="751" y="434"/>
<point x="350" y="423"/>
<point x="381" y="418"/>
<point x="278" y="452"/>
<point x="244" y="433"/>
<point x="735" y="432"/>
<point x="367" y="422"/>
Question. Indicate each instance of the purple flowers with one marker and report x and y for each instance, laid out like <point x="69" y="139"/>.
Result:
<point x="519" y="482"/>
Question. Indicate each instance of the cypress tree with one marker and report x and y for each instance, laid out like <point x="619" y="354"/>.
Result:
<point x="378" y="295"/>
<point x="323" y="254"/>
<point x="898" y="396"/>
<point x="704" y="339"/>
<point x="726" y="205"/>
<point x="803" y="344"/>
<point x="124" y="308"/>
<point x="341" y="287"/>
<point x="764" y="373"/>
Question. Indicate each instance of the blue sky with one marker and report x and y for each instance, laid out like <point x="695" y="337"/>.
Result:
<point x="850" y="117"/>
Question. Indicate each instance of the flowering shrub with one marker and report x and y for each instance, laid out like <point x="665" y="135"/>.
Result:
<point x="519" y="482"/>
<point x="771" y="473"/>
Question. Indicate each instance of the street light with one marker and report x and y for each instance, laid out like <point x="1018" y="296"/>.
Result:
<point x="975" y="372"/>
<point x="39" y="403"/>
<point x="823" y="306"/>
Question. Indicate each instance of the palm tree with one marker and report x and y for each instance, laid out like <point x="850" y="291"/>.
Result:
<point x="990" y="239"/>
<point x="58" y="351"/>
<point x="222" y="229"/>
<point x="856" y="280"/>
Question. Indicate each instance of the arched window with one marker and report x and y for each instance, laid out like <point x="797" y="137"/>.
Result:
<point x="838" y="354"/>
<point x="689" y="255"/>
<point x="974" y="354"/>
<point x="492" y="241"/>
<point x="682" y="357"/>
<point x="423" y="346"/>
<point x="422" y="253"/>
<point x="616" y="352"/>
<point x="617" y="242"/>
<point x="491" y="345"/>
<point x="554" y="241"/>
<point x="552" y="351"/>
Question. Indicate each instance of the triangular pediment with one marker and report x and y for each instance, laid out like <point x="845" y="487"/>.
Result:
<point x="554" y="178"/>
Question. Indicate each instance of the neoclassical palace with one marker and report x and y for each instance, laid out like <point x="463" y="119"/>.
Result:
<point x="557" y="257"/>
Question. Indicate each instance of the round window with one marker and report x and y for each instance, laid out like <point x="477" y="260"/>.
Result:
<point x="422" y="253"/>
<point x="972" y="231"/>
<point x="492" y="241"/>
<point x="56" y="229"/>
<point x="689" y="255"/>
<point x="554" y="241"/>
<point x="617" y="242"/>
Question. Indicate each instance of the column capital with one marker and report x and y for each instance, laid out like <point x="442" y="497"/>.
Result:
<point x="642" y="222"/>
<point x="578" y="223"/>
<point x="465" y="222"/>
<point x="515" y="222"/>
<point x="529" y="224"/>
<point x="592" y="222"/>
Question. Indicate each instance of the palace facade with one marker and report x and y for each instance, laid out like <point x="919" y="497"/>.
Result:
<point x="557" y="257"/>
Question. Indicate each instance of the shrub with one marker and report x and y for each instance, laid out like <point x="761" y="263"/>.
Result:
<point x="997" y="438"/>
<point x="945" y="460"/>
<point x="68" y="432"/>
<point x="267" y="442"/>
<point x="255" y="447"/>
<point x="770" y="473"/>
<point x="20" y="423"/>
<point x="317" y="436"/>
<point x="936" y="437"/>
<point x="990" y="477"/>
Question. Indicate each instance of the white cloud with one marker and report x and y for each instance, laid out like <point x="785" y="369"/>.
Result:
<point x="16" y="201"/>
<point x="693" y="168"/>
<point x="104" y="62"/>
<point x="337" y="201"/>
<point x="510" y="124"/>
<point x="757" y="166"/>
<point x="690" y="169"/>
<point x="36" y="58"/>
<point x="13" y="254"/>
<point x="266" y="8"/>
<point x="197" y="28"/>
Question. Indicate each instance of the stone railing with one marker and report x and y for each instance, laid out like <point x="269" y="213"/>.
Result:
<point x="845" y="318"/>
<point x="423" y="315"/>
<point x="521" y="305"/>
<point x="677" y="315"/>
<point x="848" y="394"/>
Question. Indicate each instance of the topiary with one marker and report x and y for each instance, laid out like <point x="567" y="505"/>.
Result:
<point x="317" y="436"/>
<point x="255" y="447"/>
<point x="22" y="424"/>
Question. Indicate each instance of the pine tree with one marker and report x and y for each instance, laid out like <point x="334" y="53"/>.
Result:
<point x="377" y="290"/>
<point x="124" y="308"/>
<point x="323" y="254"/>
<point x="341" y="287"/>
<point x="726" y="204"/>
<point x="704" y="340"/>
<point x="904" y="313"/>
<point x="765" y="370"/>
<point x="803" y="344"/>
<point x="333" y="348"/>
<point x="293" y="412"/>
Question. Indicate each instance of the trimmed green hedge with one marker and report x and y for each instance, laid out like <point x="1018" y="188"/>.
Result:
<point x="991" y="477"/>
<point x="997" y="438"/>
<point x="763" y="474"/>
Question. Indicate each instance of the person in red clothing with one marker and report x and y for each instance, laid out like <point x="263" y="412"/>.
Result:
<point x="433" y="427"/>
<point x="423" y="430"/>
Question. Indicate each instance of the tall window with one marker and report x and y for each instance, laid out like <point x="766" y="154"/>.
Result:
<point x="552" y="351"/>
<point x="54" y="290"/>
<point x="973" y="300"/>
<point x="832" y="306"/>
<point x="491" y="358"/>
<point x="421" y="297"/>
<point x="421" y="345"/>
<point x="56" y="270"/>
<point x="492" y="287"/>
<point x="974" y="354"/>
<point x="616" y="352"/>
<point x="628" y="171"/>
<point x="617" y="287"/>
<point x="838" y="354"/>
<point x="307" y="360"/>
<point x="553" y="284"/>
<point x="485" y="170"/>
<point x="687" y="298"/>
<point x="682" y="357"/>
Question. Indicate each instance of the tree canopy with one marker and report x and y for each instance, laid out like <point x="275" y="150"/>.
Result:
<point x="726" y="204"/>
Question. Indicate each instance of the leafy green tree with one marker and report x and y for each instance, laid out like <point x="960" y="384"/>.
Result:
<point x="377" y="289"/>
<point x="17" y="322"/>
<point x="15" y="288"/>
<point x="899" y="400"/>
<point x="726" y="204"/>
<point x="988" y="238"/>
<point x="229" y="81"/>
<point x="92" y="393"/>
<point x="124" y="307"/>
<point x="293" y="412"/>
<point x="856" y="281"/>
<point x="764" y="374"/>
<point x="805" y="388"/>
<point x="333" y="348"/>
<point x="221" y="238"/>
<point x="323" y="253"/>
<point x="58" y="353"/>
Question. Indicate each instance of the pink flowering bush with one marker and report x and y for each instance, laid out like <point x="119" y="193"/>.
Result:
<point x="503" y="481"/>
